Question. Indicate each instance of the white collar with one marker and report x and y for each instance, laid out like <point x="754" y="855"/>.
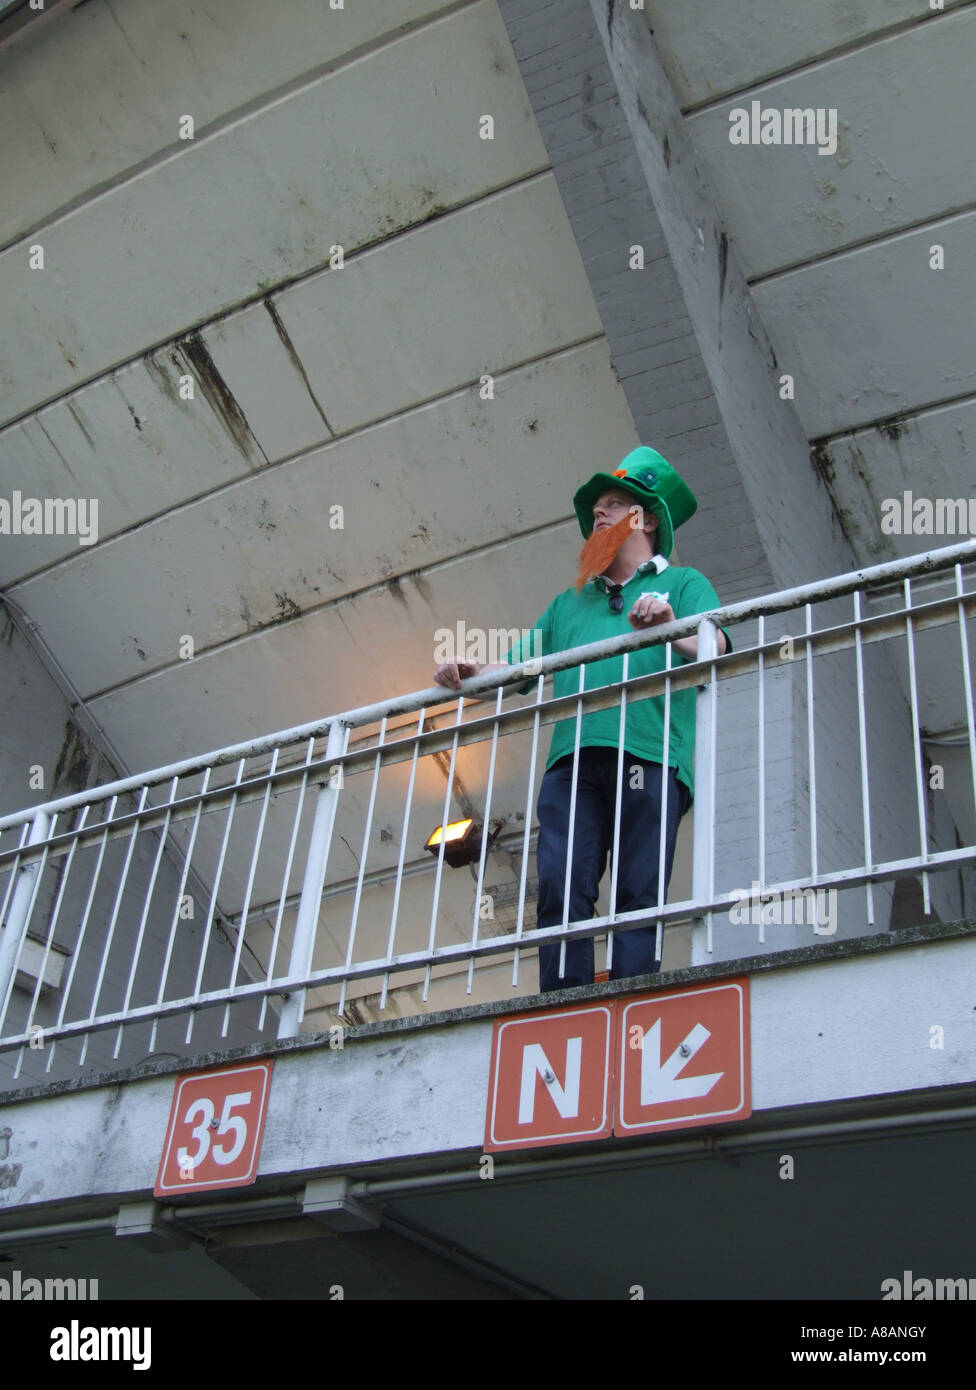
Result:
<point x="656" y="562"/>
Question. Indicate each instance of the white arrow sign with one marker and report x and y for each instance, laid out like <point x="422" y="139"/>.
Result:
<point x="660" y="1082"/>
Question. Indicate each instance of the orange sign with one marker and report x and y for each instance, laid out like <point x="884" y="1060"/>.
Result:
<point x="683" y="1058"/>
<point x="649" y="1062"/>
<point x="215" y="1126"/>
<point x="551" y="1078"/>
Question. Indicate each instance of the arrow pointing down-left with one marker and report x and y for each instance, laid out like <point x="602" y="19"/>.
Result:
<point x="660" y="1081"/>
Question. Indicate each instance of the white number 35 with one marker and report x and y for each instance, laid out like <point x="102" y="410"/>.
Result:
<point x="229" y="1124"/>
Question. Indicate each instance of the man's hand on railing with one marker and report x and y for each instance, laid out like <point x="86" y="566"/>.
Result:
<point x="652" y="612"/>
<point x="452" y="673"/>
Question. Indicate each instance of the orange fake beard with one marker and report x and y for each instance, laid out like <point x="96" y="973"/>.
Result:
<point x="600" y="548"/>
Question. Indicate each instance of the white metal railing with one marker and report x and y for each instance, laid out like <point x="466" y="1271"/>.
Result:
<point x="96" y="883"/>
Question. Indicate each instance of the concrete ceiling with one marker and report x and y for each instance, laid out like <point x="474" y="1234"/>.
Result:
<point x="837" y="247"/>
<point x="355" y="389"/>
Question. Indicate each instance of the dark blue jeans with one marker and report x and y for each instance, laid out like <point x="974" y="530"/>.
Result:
<point x="634" y="952"/>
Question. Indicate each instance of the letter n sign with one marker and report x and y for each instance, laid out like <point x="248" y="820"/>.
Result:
<point x="551" y="1078"/>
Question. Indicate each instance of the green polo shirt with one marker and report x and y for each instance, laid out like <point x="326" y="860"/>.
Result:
<point x="574" y="618"/>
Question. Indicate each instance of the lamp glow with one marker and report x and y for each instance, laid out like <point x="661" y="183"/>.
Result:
<point x="450" y="833"/>
<point x="461" y="842"/>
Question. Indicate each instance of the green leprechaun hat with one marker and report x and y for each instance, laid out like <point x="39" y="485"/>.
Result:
<point x="652" y="480"/>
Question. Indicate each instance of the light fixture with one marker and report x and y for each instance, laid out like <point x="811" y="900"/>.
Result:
<point x="462" y="842"/>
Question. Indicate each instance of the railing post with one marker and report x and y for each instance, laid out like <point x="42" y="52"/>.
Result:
<point x="703" y="869"/>
<point x="15" y="927"/>
<point x="320" y="840"/>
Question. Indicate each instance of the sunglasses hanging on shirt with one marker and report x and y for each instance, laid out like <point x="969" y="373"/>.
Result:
<point x="615" y="595"/>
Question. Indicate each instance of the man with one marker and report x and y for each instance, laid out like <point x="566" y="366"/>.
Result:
<point x="628" y="518"/>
